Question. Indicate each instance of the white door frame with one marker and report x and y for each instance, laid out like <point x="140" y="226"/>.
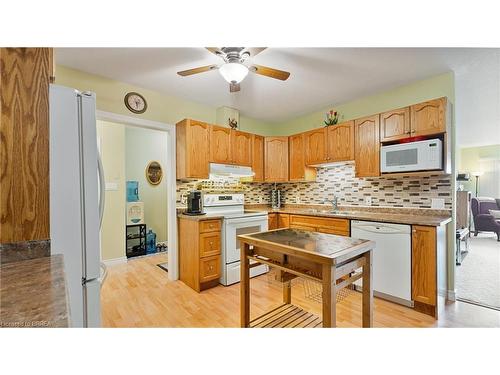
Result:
<point x="173" y="255"/>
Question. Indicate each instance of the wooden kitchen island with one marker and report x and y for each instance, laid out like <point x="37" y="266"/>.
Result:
<point x="323" y="258"/>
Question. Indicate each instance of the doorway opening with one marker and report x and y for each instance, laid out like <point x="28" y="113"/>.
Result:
<point x="139" y="167"/>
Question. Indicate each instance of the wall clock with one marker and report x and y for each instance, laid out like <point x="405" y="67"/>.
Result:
<point x="135" y="102"/>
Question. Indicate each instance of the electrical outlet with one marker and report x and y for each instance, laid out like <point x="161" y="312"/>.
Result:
<point x="437" y="203"/>
<point x="368" y="201"/>
<point x="297" y="199"/>
<point x="260" y="199"/>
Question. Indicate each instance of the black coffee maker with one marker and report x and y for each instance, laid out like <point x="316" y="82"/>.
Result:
<point x="194" y="204"/>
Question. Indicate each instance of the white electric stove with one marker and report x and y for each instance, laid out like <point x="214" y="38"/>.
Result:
<point x="236" y="221"/>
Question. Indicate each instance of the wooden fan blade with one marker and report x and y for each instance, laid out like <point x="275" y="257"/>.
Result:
<point x="254" y="51"/>
<point x="215" y="50"/>
<point x="234" y="87"/>
<point x="270" y="72"/>
<point x="201" y="69"/>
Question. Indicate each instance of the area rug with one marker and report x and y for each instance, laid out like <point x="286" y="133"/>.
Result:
<point x="478" y="278"/>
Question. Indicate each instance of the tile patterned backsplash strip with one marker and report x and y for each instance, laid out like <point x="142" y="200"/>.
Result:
<point x="404" y="191"/>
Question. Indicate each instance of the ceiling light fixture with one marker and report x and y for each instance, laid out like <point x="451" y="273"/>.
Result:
<point x="233" y="72"/>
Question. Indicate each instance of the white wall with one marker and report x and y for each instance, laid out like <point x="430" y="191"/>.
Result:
<point x="111" y="138"/>
<point x="141" y="147"/>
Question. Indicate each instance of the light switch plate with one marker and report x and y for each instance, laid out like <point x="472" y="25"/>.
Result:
<point x="437" y="203"/>
<point x="111" y="186"/>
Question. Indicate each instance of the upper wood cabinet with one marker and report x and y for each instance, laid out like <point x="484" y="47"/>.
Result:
<point x="298" y="169"/>
<point x="340" y="141"/>
<point x="228" y="146"/>
<point x="220" y="145"/>
<point x="258" y="157"/>
<point x="276" y="159"/>
<point x="192" y="148"/>
<point x="395" y="124"/>
<point x="367" y="146"/>
<point x="241" y="148"/>
<point x="423" y="264"/>
<point x="428" y="117"/>
<point x="316" y="146"/>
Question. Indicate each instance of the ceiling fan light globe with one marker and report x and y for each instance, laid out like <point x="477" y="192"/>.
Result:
<point x="233" y="72"/>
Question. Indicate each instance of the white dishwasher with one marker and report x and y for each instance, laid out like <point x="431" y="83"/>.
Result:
<point x="391" y="258"/>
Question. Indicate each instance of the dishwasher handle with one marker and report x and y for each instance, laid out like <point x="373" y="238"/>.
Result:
<point x="381" y="228"/>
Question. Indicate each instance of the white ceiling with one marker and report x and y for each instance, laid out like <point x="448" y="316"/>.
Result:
<point x="320" y="77"/>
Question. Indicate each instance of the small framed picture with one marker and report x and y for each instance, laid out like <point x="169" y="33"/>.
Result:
<point x="154" y="173"/>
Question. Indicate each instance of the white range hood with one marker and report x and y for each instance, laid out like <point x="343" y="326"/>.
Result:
<point x="230" y="170"/>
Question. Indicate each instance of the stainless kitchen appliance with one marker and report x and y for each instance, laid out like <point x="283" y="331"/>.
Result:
<point x="236" y="221"/>
<point x="412" y="156"/>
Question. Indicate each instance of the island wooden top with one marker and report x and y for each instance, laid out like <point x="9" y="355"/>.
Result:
<point x="318" y="247"/>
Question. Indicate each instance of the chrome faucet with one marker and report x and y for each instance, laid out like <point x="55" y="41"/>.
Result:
<point x="334" y="202"/>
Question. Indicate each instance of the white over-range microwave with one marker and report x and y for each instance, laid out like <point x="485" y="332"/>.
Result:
<point x="412" y="156"/>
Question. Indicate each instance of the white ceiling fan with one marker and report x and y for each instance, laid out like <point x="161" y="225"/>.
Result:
<point x="234" y="70"/>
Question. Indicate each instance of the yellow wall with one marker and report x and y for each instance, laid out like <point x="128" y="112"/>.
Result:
<point x="416" y="92"/>
<point x="111" y="139"/>
<point x="161" y="107"/>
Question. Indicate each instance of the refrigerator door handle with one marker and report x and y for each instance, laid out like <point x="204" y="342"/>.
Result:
<point x="104" y="274"/>
<point x="102" y="189"/>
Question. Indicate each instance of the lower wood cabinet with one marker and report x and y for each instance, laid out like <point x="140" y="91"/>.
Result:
<point x="328" y="225"/>
<point x="278" y="221"/>
<point x="423" y="265"/>
<point x="199" y="252"/>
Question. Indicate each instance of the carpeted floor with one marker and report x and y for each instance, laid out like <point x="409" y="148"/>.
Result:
<point x="478" y="278"/>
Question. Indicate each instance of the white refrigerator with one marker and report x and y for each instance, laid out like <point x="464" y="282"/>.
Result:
<point x="76" y="199"/>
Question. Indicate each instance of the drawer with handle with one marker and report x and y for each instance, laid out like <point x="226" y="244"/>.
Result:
<point x="209" y="244"/>
<point x="210" y="226"/>
<point x="209" y="268"/>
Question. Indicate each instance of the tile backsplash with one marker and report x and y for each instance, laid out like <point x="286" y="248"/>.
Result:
<point x="403" y="191"/>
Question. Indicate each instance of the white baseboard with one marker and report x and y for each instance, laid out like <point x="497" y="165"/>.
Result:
<point x="452" y="295"/>
<point x="115" y="261"/>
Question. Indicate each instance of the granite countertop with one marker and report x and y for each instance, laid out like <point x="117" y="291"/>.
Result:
<point x="320" y="245"/>
<point x="405" y="216"/>
<point x="199" y="217"/>
<point x="33" y="293"/>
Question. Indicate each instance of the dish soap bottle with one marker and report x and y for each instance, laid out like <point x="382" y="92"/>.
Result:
<point x="150" y="242"/>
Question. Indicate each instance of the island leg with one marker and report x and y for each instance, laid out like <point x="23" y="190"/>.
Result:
<point x="287" y="288"/>
<point x="368" y="291"/>
<point x="244" y="286"/>
<point x="329" y="297"/>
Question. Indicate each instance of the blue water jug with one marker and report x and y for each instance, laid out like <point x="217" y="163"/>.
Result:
<point x="132" y="191"/>
<point x="150" y="242"/>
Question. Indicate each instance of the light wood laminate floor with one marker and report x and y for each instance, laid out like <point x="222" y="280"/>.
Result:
<point x="139" y="294"/>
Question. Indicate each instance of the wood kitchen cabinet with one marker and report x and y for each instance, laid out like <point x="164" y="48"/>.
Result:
<point x="228" y="146"/>
<point x="220" y="145"/>
<point x="25" y="74"/>
<point x="199" y="252"/>
<point x="276" y="159"/>
<point x="340" y="142"/>
<point x="278" y="221"/>
<point x="298" y="169"/>
<point x="241" y="148"/>
<point x="272" y="221"/>
<point x="258" y="157"/>
<point x="423" y="264"/>
<point x="328" y="225"/>
<point x="429" y="117"/>
<point x="367" y="146"/>
<point x="192" y="148"/>
<point x="395" y="124"/>
<point x="316" y="146"/>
